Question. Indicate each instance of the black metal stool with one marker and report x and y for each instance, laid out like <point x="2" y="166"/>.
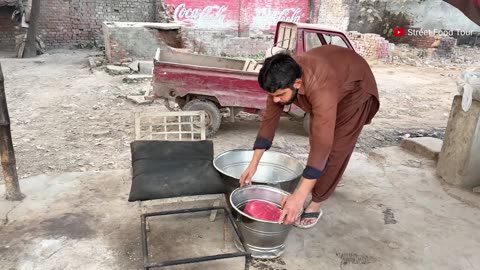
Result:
<point x="155" y="164"/>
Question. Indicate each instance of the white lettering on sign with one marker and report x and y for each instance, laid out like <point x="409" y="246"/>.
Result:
<point x="266" y="17"/>
<point x="212" y="16"/>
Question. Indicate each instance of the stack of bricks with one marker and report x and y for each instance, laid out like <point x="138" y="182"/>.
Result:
<point x="68" y="23"/>
<point x="334" y="13"/>
<point x="8" y="29"/>
<point x="370" y="46"/>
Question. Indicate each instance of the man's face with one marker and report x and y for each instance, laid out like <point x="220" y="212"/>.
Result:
<point x="286" y="96"/>
<point x="283" y="96"/>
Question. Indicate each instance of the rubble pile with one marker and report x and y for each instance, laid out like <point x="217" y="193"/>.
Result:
<point x="459" y="58"/>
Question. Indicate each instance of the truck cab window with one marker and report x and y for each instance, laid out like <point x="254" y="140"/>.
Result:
<point x="312" y="40"/>
<point x="335" y="40"/>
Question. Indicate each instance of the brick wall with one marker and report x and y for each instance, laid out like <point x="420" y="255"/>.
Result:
<point x="334" y="13"/>
<point x="250" y="23"/>
<point x="370" y="46"/>
<point x="226" y="43"/>
<point x="8" y="29"/>
<point x="67" y="23"/>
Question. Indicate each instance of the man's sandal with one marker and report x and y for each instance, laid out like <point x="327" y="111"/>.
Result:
<point x="315" y="215"/>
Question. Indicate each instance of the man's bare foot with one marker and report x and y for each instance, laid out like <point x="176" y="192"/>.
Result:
<point x="313" y="207"/>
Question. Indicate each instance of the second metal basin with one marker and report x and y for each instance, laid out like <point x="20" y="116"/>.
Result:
<point x="275" y="169"/>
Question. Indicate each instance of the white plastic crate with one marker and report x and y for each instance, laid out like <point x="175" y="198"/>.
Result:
<point x="170" y="126"/>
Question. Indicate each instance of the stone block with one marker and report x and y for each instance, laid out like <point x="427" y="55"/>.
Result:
<point x="425" y="146"/>
<point x="134" y="66"/>
<point x="140" y="100"/>
<point x="145" y="67"/>
<point x="117" y="70"/>
<point x="137" y="78"/>
<point x="459" y="159"/>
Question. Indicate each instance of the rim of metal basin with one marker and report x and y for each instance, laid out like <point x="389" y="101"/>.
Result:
<point x="257" y="187"/>
<point x="250" y="150"/>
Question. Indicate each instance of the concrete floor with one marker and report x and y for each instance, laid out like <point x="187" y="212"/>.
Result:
<point x="392" y="213"/>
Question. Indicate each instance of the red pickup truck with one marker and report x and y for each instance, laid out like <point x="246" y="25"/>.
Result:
<point x="223" y="87"/>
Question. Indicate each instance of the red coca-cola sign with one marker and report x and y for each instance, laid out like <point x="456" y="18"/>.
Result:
<point x="222" y="14"/>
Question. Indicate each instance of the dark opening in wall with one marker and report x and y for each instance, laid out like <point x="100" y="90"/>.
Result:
<point x="8" y="29"/>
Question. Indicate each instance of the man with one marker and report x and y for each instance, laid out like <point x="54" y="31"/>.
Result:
<point x="337" y="87"/>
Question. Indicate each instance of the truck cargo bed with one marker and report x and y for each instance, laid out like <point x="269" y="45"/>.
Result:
<point x="204" y="61"/>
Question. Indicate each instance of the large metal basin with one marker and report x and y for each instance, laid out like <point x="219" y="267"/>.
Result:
<point x="275" y="169"/>
<point x="264" y="239"/>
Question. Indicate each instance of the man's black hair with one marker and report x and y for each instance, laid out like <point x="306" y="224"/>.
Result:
<point x="279" y="72"/>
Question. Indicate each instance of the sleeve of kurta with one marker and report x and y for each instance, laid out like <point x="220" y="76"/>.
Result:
<point x="269" y="124"/>
<point x="322" y="128"/>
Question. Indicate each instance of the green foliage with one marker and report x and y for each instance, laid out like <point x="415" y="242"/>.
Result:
<point x="393" y="21"/>
<point x="371" y="13"/>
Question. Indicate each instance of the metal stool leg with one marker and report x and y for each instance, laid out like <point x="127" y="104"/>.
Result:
<point x="149" y="265"/>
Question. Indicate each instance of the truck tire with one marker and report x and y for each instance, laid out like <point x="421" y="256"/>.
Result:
<point x="306" y="123"/>
<point x="213" y="118"/>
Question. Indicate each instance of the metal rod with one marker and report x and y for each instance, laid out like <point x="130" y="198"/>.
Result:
<point x="144" y="241"/>
<point x="183" y="211"/>
<point x="239" y="234"/>
<point x="199" y="259"/>
<point x="148" y="265"/>
<point x="237" y="231"/>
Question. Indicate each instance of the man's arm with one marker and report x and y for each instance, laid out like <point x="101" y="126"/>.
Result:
<point x="268" y="125"/>
<point x="264" y="138"/>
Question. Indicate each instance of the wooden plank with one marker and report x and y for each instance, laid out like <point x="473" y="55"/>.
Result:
<point x="4" y="117"/>
<point x="211" y="197"/>
<point x="7" y="153"/>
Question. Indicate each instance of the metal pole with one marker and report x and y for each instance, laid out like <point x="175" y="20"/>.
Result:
<point x="7" y="153"/>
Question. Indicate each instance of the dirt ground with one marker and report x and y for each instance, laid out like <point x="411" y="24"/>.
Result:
<point x="393" y="213"/>
<point x="66" y="118"/>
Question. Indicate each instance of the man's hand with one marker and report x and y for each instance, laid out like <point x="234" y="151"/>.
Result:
<point x="246" y="177"/>
<point x="291" y="207"/>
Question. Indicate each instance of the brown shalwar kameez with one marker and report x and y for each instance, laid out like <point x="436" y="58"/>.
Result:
<point x="340" y="93"/>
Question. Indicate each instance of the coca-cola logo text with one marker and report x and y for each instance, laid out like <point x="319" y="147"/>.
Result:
<point x="212" y="12"/>
<point x="267" y="16"/>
